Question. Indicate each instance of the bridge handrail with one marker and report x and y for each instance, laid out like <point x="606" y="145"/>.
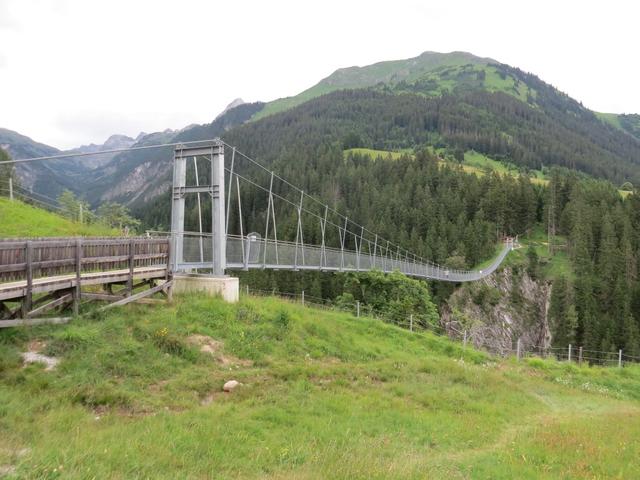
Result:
<point x="22" y="259"/>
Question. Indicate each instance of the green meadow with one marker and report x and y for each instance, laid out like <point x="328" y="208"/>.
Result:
<point x="138" y="394"/>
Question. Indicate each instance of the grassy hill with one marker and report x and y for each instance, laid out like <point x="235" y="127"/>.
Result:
<point x="323" y="395"/>
<point x="474" y="162"/>
<point x="389" y="72"/>
<point x="629" y="123"/>
<point x="22" y="220"/>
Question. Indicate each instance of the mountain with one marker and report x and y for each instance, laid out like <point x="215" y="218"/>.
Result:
<point x="114" y="142"/>
<point x="137" y="177"/>
<point x="629" y="123"/>
<point x="236" y="103"/>
<point x="455" y="101"/>
<point x="37" y="176"/>
<point x="389" y="73"/>
<point x="50" y="179"/>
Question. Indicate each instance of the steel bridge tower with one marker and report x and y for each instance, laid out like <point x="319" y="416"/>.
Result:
<point x="212" y="245"/>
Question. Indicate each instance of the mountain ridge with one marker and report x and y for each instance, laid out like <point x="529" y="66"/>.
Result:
<point x="467" y="84"/>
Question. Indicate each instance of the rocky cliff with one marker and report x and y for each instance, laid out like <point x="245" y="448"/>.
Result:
<point x="498" y="310"/>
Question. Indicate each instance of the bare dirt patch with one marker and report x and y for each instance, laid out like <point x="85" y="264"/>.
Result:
<point x="35" y="357"/>
<point x="210" y="398"/>
<point x="36" y="346"/>
<point x="213" y="347"/>
<point x="6" y="470"/>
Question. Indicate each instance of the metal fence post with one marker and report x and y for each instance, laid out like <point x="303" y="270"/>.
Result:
<point x="302" y="297"/>
<point x="569" y="354"/>
<point x="411" y="322"/>
<point x="518" y="350"/>
<point x="11" y="189"/>
<point x="358" y="308"/>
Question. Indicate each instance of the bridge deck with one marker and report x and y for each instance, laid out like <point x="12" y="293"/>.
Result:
<point x="246" y="253"/>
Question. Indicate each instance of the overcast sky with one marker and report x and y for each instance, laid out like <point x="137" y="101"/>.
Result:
<point x="75" y="71"/>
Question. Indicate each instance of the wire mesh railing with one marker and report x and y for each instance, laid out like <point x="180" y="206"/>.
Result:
<point x="253" y="252"/>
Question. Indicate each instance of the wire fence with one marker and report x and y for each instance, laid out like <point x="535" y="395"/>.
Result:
<point x="418" y="323"/>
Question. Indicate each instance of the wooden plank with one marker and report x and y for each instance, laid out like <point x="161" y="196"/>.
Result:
<point x="122" y="258"/>
<point x="16" y="267"/>
<point x="132" y="254"/>
<point x="48" y="306"/>
<point x="44" y="299"/>
<point x="151" y="301"/>
<point x="13" y="267"/>
<point x="26" y="322"/>
<point x="77" y="293"/>
<point x="6" y="313"/>
<point x="138" y="296"/>
<point x="27" y="300"/>
<point x="48" y="284"/>
<point x="115" y="298"/>
<point x="103" y="296"/>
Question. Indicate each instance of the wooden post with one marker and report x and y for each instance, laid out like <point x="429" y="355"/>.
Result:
<point x="411" y="322"/>
<point x="302" y="297"/>
<point x="518" y="350"/>
<point x="569" y="354"/>
<point x="76" y="292"/>
<point x="464" y="339"/>
<point x="358" y="308"/>
<point x="27" y="301"/>
<point x="620" y="358"/>
<point x="132" y="253"/>
<point x="579" y="355"/>
<point x="10" y="188"/>
<point x="166" y="277"/>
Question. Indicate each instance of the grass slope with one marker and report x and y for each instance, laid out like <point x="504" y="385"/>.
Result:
<point x="551" y="266"/>
<point x="324" y="395"/>
<point x="18" y="219"/>
<point x="474" y="162"/>
<point x="389" y="72"/>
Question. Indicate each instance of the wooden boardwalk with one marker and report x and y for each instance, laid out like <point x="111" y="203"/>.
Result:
<point x="39" y="276"/>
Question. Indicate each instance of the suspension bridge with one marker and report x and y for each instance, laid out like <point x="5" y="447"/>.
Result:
<point x="341" y="244"/>
<point x="218" y="224"/>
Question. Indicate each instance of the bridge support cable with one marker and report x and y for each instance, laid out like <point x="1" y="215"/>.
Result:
<point x="299" y="234"/>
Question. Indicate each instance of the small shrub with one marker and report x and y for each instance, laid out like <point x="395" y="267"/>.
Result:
<point x="485" y="295"/>
<point x="172" y="344"/>
<point x="69" y="339"/>
<point x="281" y="320"/>
<point x="101" y="395"/>
<point x="537" y="363"/>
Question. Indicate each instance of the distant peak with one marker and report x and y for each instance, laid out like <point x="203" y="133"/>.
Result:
<point x="118" y="141"/>
<point x="236" y="103"/>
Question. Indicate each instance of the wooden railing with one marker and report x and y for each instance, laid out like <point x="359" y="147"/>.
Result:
<point x="26" y="259"/>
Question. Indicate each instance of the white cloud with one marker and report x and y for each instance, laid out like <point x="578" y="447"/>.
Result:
<point x="77" y="71"/>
